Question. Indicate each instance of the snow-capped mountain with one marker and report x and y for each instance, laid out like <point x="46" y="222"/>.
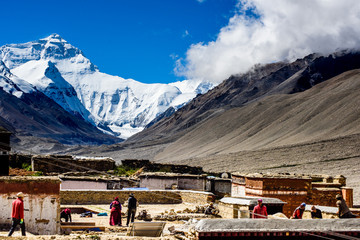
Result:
<point x="32" y="116"/>
<point x="12" y="84"/>
<point x="115" y="105"/>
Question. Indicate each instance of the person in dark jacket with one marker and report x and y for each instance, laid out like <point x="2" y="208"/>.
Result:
<point x="115" y="212"/>
<point x="343" y="209"/>
<point x="132" y="203"/>
<point x="65" y="214"/>
<point x="17" y="214"/>
<point x="315" y="212"/>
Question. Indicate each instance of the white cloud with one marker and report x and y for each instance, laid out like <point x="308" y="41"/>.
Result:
<point x="186" y="34"/>
<point x="286" y="30"/>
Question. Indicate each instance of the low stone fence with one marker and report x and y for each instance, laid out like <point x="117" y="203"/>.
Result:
<point x="197" y="197"/>
<point x="77" y="197"/>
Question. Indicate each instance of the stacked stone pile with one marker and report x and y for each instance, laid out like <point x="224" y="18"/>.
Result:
<point x="184" y="215"/>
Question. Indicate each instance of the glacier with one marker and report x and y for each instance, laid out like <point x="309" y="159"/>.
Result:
<point x="117" y="106"/>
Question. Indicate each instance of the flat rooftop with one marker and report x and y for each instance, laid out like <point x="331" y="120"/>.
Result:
<point x="278" y="225"/>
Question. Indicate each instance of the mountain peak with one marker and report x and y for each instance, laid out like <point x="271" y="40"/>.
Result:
<point x="54" y="38"/>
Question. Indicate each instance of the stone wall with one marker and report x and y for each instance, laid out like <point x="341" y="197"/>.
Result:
<point x="41" y="203"/>
<point x="62" y="164"/>
<point x="159" y="167"/>
<point x="233" y="211"/>
<point x="196" y="197"/>
<point x="219" y="186"/>
<point x="17" y="160"/>
<point x="74" y="197"/>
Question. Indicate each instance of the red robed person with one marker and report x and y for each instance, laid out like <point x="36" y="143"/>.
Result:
<point x="115" y="213"/>
<point x="260" y="210"/>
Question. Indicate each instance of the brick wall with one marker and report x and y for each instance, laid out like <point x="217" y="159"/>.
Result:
<point x="74" y="197"/>
<point x="41" y="203"/>
<point x="324" y="196"/>
<point x="293" y="189"/>
<point x="347" y="194"/>
<point x="290" y="190"/>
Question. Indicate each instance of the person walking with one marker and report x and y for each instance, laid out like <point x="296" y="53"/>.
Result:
<point x="298" y="213"/>
<point x="65" y="214"/>
<point x="260" y="210"/>
<point x="132" y="203"/>
<point x="343" y="209"/>
<point x="17" y="214"/>
<point x="315" y="213"/>
<point x="115" y="212"/>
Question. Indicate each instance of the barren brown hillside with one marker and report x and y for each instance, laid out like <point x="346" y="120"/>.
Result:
<point x="316" y="131"/>
<point x="328" y="110"/>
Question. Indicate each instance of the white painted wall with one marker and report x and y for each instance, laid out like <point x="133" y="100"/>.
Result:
<point x="166" y="183"/>
<point x="157" y="183"/>
<point x="42" y="216"/>
<point x="82" y="185"/>
<point x="237" y="190"/>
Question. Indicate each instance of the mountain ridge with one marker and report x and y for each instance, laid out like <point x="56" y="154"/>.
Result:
<point x="261" y="81"/>
<point x="117" y="106"/>
<point x="276" y="120"/>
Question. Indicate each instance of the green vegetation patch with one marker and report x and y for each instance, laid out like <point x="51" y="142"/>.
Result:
<point x="122" y="170"/>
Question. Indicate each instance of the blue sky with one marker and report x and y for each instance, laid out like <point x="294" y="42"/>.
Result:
<point x="139" y="39"/>
<point x="162" y="41"/>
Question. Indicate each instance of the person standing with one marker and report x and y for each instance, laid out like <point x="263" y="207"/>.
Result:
<point x="315" y="213"/>
<point x="299" y="211"/>
<point x="65" y="214"/>
<point x="17" y="214"/>
<point x="115" y="212"/>
<point x="343" y="209"/>
<point x="260" y="210"/>
<point x="132" y="203"/>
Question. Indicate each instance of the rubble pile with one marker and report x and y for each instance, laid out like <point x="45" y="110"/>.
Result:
<point x="184" y="215"/>
<point x="143" y="215"/>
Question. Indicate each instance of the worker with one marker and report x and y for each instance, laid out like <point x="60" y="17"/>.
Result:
<point x="260" y="210"/>
<point x="343" y="209"/>
<point x="132" y="204"/>
<point x="115" y="212"/>
<point x="65" y="214"/>
<point x="298" y="213"/>
<point x="17" y="214"/>
<point x="315" y="212"/>
<point x="210" y="210"/>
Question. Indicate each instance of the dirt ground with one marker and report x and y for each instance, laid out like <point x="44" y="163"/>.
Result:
<point x="112" y="232"/>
